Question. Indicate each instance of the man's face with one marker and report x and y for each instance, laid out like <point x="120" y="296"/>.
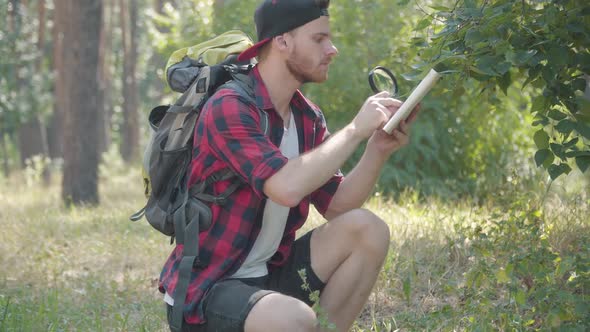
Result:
<point x="311" y="51"/>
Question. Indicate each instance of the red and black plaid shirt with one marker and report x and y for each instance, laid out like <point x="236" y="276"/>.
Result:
<point x="230" y="136"/>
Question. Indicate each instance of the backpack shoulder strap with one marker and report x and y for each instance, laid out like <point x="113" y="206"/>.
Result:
<point x="244" y="86"/>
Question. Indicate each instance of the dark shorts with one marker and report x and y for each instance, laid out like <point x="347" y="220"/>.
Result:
<point x="229" y="302"/>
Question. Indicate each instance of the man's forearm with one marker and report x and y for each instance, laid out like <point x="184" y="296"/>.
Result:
<point x="357" y="185"/>
<point x="304" y="174"/>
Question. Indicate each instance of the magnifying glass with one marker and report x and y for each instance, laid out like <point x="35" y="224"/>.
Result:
<point x="382" y="79"/>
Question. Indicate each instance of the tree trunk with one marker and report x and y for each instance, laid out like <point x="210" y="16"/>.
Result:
<point x="81" y="156"/>
<point x="32" y="139"/>
<point x="156" y="60"/>
<point x="32" y="133"/>
<point x="105" y="75"/>
<point x="60" y="102"/>
<point x="41" y="47"/>
<point x="130" y="129"/>
<point x="159" y="5"/>
<point x="159" y="8"/>
<point x="5" y="159"/>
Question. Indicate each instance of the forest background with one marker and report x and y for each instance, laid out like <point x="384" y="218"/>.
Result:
<point x="488" y="205"/>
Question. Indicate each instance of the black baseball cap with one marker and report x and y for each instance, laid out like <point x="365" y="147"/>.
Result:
<point x="275" y="17"/>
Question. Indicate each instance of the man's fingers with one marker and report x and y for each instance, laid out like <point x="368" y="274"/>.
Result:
<point x="403" y="127"/>
<point x="388" y="102"/>
<point x="400" y="136"/>
<point x="387" y="113"/>
<point x="382" y="94"/>
<point x="397" y="134"/>
<point x="413" y="114"/>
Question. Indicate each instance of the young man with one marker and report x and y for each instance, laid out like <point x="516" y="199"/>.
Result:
<point x="249" y="278"/>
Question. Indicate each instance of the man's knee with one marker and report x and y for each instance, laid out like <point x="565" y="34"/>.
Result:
<point x="371" y="232"/>
<point x="278" y="312"/>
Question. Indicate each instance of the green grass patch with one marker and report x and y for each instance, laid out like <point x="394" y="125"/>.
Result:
<point x="518" y="261"/>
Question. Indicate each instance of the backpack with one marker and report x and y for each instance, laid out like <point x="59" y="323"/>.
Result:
<point x="172" y="208"/>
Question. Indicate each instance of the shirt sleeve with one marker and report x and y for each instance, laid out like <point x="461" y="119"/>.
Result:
<point x="322" y="197"/>
<point x="236" y="137"/>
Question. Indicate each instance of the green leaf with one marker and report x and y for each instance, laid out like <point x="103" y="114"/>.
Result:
<point x="478" y="75"/>
<point x="556" y="170"/>
<point x="441" y="8"/>
<point x="520" y="297"/>
<point x="583" y="163"/>
<point x="583" y="130"/>
<point x="419" y="42"/>
<point x="575" y="27"/>
<point x="540" y="120"/>
<point x="425" y="22"/>
<point x="502" y="276"/>
<point x="565" y="126"/>
<point x="579" y="84"/>
<point x="473" y="36"/>
<point x="539" y="105"/>
<point x="556" y="115"/>
<point x="502" y="67"/>
<point x="544" y="158"/>
<point x="554" y="320"/>
<point x="407" y="287"/>
<point x="414" y="75"/>
<point x="548" y="73"/>
<point x="485" y="65"/>
<point x="509" y="268"/>
<point x="520" y="57"/>
<point x="557" y="150"/>
<point x="504" y="82"/>
<point x="557" y="55"/>
<point x="571" y="142"/>
<point x="469" y="4"/>
<point x="572" y="154"/>
<point x="420" y="65"/>
<point x="533" y="74"/>
<point x="541" y="139"/>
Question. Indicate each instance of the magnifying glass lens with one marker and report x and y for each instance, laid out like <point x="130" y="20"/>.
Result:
<point x="382" y="79"/>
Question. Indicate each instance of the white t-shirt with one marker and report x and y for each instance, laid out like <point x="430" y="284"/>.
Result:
<point x="273" y="221"/>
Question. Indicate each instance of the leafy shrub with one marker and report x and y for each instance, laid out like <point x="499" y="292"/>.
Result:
<point x="519" y="279"/>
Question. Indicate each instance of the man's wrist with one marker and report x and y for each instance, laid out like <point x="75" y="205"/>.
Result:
<point x="352" y="134"/>
<point x="376" y="155"/>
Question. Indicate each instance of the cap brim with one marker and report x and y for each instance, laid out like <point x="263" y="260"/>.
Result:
<point x="252" y="51"/>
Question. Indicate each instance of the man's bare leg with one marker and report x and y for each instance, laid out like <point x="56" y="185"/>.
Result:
<point x="278" y="312"/>
<point x="347" y="253"/>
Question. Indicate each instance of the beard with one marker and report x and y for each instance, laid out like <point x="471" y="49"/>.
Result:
<point x="302" y="69"/>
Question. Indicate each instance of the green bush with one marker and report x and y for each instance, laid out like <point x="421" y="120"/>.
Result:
<point x="519" y="279"/>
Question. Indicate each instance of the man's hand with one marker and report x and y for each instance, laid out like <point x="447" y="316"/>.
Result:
<point x="374" y="113"/>
<point x="385" y="144"/>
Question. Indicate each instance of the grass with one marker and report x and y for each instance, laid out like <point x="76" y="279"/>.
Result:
<point x="83" y="268"/>
<point x="90" y="269"/>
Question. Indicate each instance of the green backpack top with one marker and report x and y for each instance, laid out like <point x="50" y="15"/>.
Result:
<point x="184" y="64"/>
<point x="181" y="71"/>
<point x="173" y="208"/>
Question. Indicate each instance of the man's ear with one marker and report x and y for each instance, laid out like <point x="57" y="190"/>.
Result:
<point x="281" y="42"/>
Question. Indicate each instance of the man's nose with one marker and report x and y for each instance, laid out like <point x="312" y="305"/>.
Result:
<point x="331" y="50"/>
